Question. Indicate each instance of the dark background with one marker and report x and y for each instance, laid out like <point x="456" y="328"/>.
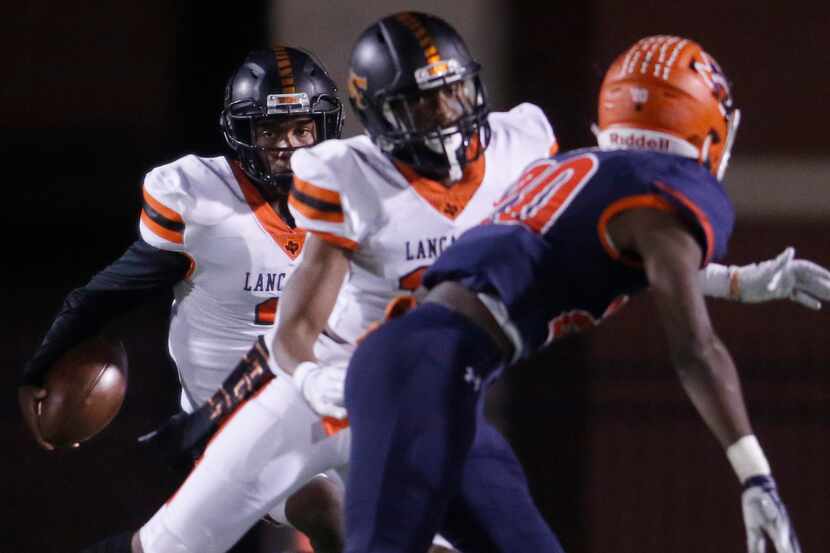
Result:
<point x="94" y="95"/>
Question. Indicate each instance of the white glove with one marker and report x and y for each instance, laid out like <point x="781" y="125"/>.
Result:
<point x="765" y="514"/>
<point x="322" y="387"/>
<point x="784" y="277"/>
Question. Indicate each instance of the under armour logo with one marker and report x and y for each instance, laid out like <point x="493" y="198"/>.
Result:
<point x="292" y="246"/>
<point x="451" y="210"/>
<point x="471" y="377"/>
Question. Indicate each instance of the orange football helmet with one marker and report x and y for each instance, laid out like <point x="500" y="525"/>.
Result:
<point x="666" y="93"/>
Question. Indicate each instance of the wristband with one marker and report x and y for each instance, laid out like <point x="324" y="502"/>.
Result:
<point x="734" y="284"/>
<point x="719" y="281"/>
<point x="301" y="371"/>
<point x="747" y="458"/>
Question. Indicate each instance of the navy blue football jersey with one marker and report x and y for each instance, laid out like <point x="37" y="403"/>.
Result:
<point x="545" y="253"/>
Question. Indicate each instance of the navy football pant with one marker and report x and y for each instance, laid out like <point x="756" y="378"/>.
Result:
<point x="423" y="460"/>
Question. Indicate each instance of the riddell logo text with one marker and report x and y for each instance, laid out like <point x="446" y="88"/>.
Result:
<point x="641" y="142"/>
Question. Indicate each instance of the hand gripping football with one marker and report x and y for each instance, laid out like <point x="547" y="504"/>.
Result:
<point x="86" y="389"/>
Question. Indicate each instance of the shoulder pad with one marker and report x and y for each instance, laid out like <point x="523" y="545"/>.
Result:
<point x="529" y="120"/>
<point x="330" y="196"/>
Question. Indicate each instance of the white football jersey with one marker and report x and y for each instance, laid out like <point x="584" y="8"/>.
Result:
<point x="241" y="253"/>
<point x="395" y="222"/>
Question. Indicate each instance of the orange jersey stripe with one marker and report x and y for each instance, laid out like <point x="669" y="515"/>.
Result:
<point x="316" y="192"/>
<point x="314" y="213"/>
<point x="652" y="201"/>
<point x="332" y="426"/>
<point x="449" y="201"/>
<point x="699" y="214"/>
<point x="290" y="240"/>
<point x="554" y="149"/>
<point x="162" y="209"/>
<point x="192" y="268"/>
<point x="167" y="234"/>
<point x="336" y="240"/>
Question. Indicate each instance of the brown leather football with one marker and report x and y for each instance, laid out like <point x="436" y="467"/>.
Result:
<point x="86" y="389"/>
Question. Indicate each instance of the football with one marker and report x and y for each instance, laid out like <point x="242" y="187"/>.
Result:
<point x="86" y="388"/>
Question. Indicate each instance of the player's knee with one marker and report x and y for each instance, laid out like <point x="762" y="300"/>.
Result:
<point x="155" y="537"/>
<point x="317" y="511"/>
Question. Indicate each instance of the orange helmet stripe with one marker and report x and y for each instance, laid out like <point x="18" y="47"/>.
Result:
<point x="424" y="38"/>
<point x="285" y="69"/>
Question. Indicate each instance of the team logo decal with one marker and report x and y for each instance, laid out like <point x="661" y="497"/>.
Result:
<point x="292" y="247"/>
<point x="639" y="96"/>
<point x="580" y="320"/>
<point x="357" y="88"/>
<point x="714" y="78"/>
<point x="451" y="209"/>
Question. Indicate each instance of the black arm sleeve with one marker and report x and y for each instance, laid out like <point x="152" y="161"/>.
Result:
<point x="142" y="271"/>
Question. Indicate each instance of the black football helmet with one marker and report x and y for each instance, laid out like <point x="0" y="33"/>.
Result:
<point x="416" y="89"/>
<point x="277" y="83"/>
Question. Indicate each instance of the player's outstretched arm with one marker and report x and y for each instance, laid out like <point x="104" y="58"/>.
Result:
<point x="140" y="272"/>
<point x="706" y="370"/>
<point x="784" y="277"/>
<point x="304" y="310"/>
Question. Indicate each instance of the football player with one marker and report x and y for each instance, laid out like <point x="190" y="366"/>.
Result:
<point x="572" y="239"/>
<point x="421" y="213"/>
<point x="218" y="232"/>
<point x="380" y="209"/>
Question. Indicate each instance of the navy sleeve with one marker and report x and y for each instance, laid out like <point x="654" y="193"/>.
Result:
<point x="141" y="272"/>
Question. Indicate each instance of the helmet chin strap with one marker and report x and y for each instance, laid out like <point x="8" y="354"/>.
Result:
<point x="733" y="121"/>
<point x="704" y="151"/>
<point x="283" y="181"/>
<point x="448" y="145"/>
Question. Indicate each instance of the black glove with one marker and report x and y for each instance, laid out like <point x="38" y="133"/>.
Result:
<point x="181" y="439"/>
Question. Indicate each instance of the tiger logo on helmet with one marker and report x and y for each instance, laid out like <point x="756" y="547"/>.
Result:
<point x="666" y="93"/>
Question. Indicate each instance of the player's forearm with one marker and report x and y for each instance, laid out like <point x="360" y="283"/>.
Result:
<point x="304" y="311"/>
<point x="141" y="272"/>
<point x="83" y="314"/>
<point x="710" y="380"/>
<point x="294" y="343"/>
<point x="307" y="303"/>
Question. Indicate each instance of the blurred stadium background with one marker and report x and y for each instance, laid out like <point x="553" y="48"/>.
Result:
<point x="96" y="93"/>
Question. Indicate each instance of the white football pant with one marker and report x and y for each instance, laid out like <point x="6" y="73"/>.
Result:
<point x="268" y="449"/>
